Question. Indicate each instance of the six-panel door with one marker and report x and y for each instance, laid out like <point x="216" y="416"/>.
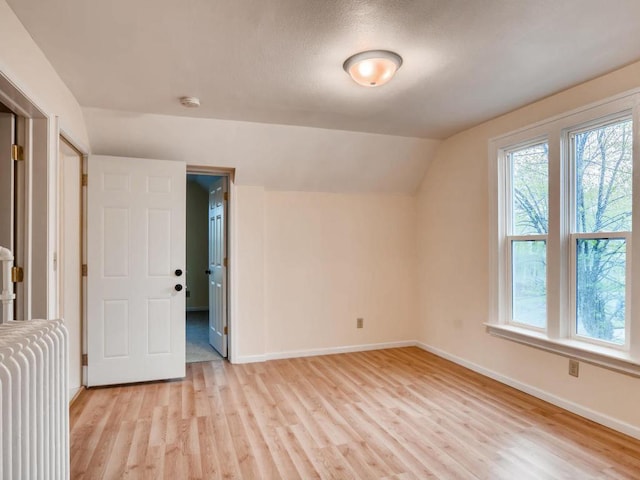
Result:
<point x="136" y="242"/>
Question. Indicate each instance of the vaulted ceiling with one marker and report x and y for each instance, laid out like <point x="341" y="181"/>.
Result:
<point x="280" y="61"/>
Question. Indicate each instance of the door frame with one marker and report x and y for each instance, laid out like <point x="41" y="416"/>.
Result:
<point x="62" y="137"/>
<point x="36" y="202"/>
<point x="230" y="231"/>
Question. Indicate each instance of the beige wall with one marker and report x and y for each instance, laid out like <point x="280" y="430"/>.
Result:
<point x="309" y="264"/>
<point x="247" y="325"/>
<point x="453" y="267"/>
<point x="331" y="258"/>
<point x="197" y="240"/>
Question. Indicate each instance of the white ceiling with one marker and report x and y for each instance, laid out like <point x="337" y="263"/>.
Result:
<point x="280" y="61"/>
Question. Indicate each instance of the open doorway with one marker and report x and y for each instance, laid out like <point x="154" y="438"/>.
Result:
<point x="13" y="205"/>
<point x="206" y="275"/>
<point x="8" y="193"/>
<point x="25" y="206"/>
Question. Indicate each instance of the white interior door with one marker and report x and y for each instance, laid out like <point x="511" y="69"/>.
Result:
<point x="136" y="246"/>
<point x="217" y="267"/>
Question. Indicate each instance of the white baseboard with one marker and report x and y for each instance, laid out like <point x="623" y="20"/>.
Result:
<point x="335" y="350"/>
<point x="74" y="393"/>
<point x="321" y="351"/>
<point x="247" y="359"/>
<point x="572" y="407"/>
<point x="197" y="309"/>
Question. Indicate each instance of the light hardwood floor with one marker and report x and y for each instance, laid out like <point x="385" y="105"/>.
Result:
<point x="400" y="413"/>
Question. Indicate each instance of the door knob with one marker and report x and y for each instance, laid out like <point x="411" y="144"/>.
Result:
<point x="178" y="287"/>
<point x="208" y="272"/>
<point x="178" y="272"/>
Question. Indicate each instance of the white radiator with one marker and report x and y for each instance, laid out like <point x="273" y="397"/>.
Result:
<point x="34" y="413"/>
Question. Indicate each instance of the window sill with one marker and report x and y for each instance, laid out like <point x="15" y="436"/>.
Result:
<point x="612" y="359"/>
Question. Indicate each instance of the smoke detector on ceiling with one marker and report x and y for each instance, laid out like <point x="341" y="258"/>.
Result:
<point x="190" y="102"/>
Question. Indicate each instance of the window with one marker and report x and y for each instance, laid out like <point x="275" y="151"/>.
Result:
<point x="527" y="239"/>
<point x="561" y="260"/>
<point x="601" y="170"/>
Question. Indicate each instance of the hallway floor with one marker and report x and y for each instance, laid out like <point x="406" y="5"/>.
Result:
<point x="198" y="348"/>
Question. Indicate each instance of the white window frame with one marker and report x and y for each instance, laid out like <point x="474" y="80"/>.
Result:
<point x="558" y="336"/>
<point x="573" y="235"/>
<point x="510" y="238"/>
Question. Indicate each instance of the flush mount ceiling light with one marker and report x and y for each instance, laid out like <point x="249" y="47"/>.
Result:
<point x="190" y="102"/>
<point x="373" y="67"/>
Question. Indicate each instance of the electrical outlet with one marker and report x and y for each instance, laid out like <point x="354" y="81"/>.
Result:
<point x="574" y="367"/>
<point x="360" y="323"/>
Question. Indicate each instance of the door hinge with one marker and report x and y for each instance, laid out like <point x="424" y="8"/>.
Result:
<point x="84" y="269"/>
<point x="225" y="263"/>
<point x="17" y="152"/>
<point x="226" y="196"/>
<point x="226" y="330"/>
<point x="85" y="360"/>
<point x="17" y="274"/>
<point x="85" y="179"/>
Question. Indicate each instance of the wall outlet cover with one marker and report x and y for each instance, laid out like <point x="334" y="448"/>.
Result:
<point x="574" y="367"/>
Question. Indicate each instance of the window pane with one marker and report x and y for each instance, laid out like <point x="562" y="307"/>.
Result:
<point x="529" y="291"/>
<point x="600" y="292"/>
<point x="603" y="169"/>
<point x="529" y="190"/>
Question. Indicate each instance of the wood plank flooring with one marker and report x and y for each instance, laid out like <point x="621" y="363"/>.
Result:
<point x="400" y="413"/>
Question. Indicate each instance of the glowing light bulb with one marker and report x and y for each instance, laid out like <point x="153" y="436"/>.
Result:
<point x="372" y="68"/>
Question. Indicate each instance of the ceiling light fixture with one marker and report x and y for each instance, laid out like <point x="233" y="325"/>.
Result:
<point x="190" y="102"/>
<point x="373" y="67"/>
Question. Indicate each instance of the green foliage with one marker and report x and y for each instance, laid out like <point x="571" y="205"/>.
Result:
<point x="530" y="192"/>
<point x="601" y="287"/>
<point x="529" y="170"/>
